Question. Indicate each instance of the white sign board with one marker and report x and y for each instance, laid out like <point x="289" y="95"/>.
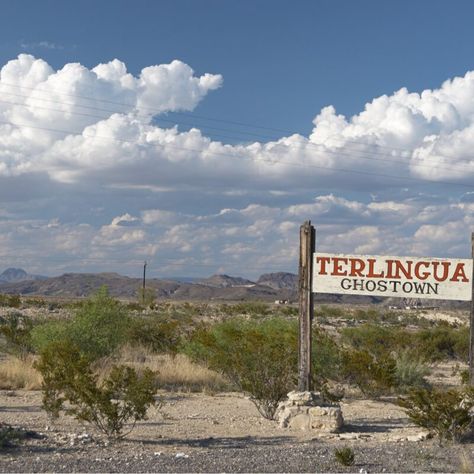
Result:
<point x="406" y="277"/>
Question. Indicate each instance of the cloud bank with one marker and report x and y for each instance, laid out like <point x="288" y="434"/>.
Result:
<point x="89" y="181"/>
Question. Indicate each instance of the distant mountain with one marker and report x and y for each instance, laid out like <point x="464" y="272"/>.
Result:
<point x="225" y="281"/>
<point x="218" y="287"/>
<point x="269" y="287"/>
<point x="12" y="275"/>
<point x="279" y="280"/>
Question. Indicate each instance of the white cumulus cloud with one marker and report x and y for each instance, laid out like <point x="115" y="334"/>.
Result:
<point x="88" y="174"/>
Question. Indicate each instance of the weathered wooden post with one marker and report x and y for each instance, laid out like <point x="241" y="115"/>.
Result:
<point x="307" y="248"/>
<point x="471" y="334"/>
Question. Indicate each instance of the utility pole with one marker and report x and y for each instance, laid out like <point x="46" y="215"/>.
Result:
<point x="144" y="281"/>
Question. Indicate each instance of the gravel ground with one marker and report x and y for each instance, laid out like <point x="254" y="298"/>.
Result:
<point x="238" y="455"/>
<point x="224" y="433"/>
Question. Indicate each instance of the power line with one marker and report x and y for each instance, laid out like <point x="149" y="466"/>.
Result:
<point x="254" y="160"/>
<point x="151" y="109"/>
<point x="192" y="115"/>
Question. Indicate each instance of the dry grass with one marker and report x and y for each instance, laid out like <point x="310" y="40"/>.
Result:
<point x="16" y="374"/>
<point x="173" y="372"/>
<point x="465" y="463"/>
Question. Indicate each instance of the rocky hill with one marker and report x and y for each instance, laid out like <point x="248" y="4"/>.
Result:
<point x="217" y="287"/>
<point x="279" y="280"/>
<point x="12" y="275"/>
<point x="225" y="281"/>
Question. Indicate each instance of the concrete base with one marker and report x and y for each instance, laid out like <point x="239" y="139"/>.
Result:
<point x="307" y="411"/>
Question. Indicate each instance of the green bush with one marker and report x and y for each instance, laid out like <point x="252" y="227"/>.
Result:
<point x="146" y="297"/>
<point x="70" y="386"/>
<point x="410" y="371"/>
<point x="260" y="358"/>
<point x="442" y="342"/>
<point x="345" y="456"/>
<point x="250" y="308"/>
<point x="445" y="413"/>
<point x="374" y="376"/>
<point x="377" y="340"/>
<point x="16" y="329"/>
<point x="326" y="357"/>
<point x="331" y="312"/>
<point x="98" y="328"/>
<point x="37" y="302"/>
<point x="47" y="332"/>
<point x="10" y="301"/>
<point x="156" y="333"/>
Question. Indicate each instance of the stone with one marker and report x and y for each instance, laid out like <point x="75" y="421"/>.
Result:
<point x="306" y="411"/>
<point x="300" y="421"/>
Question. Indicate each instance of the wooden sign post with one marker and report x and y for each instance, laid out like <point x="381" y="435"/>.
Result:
<point x="376" y="275"/>
<point x="307" y="249"/>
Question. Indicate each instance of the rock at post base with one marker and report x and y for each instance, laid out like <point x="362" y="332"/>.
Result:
<point x="307" y="411"/>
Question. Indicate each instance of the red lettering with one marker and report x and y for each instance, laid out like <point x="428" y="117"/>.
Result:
<point x="396" y="266"/>
<point x="422" y="275"/>
<point x="390" y="274"/>
<point x="445" y="266"/>
<point x="371" y="273"/>
<point x="459" y="273"/>
<point x="337" y="267"/>
<point x="357" y="267"/>
<point x="323" y="261"/>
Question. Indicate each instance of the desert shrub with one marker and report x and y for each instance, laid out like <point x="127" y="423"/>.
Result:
<point x="410" y="371"/>
<point x="134" y="306"/>
<point x="287" y="311"/>
<point x="158" y="334"/>
<point x="325" y="357"/>
<point x="442" y="342"/>
<point x="70" y="386"/>
<point x="10" y="301"/>
<point x="146" y="297"/>
<point x="331" y="312"/>
<point x="377" y="340"/>
<point x="374" y="376"/>
<point x="258" y="357"/>
<point x="367" y="315"/>
<point x="345" y="456"/>
<point x="49" y="331"/>
<point x="182" y="312"/>
<point x="37" y="302"/>
<point x="99" y="327"/>
<point x="445" y="413"/>
<point x="251" y="308"/>
<point x="464" y="375"/>
<point x="16" y="329"/>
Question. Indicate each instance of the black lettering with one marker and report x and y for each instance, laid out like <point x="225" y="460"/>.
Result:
<point x="407" y="287"/>
<point x="346" y="284"/>
<point x="358" y="284"/>
<point x="382" y="285"/>
<point x="395" y="285"/>
<point x="370" y="285"/>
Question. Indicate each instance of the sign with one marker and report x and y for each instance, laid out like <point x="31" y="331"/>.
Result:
<point x="407" y="277"/>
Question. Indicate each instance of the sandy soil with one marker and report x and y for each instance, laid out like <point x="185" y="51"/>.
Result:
<point x="223" y="433"/>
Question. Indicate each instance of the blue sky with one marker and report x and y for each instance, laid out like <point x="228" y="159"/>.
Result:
<point x="281" y="60"/>
<point x="271" y="64"/>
